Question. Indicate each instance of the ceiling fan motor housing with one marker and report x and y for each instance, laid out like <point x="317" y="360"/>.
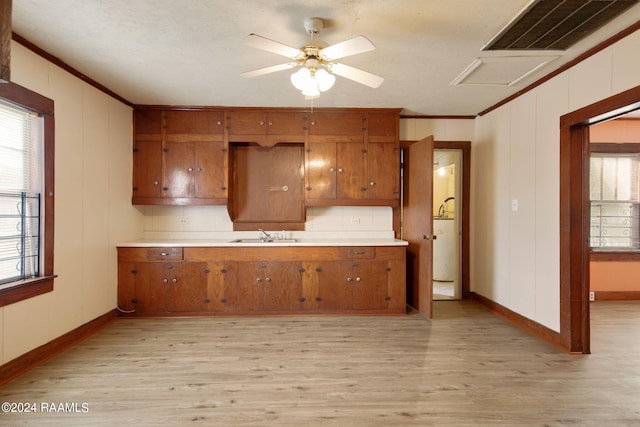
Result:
<point x="313" y="25"/>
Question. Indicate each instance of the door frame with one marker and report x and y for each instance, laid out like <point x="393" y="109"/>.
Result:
<point x="575" y="330"/>
<point x="465" y="147"/>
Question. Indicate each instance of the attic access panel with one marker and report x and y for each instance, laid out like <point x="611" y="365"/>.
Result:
<point x="556" y="24"/>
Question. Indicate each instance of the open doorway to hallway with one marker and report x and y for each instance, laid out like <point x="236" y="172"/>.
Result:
<point x="447" y="188"/>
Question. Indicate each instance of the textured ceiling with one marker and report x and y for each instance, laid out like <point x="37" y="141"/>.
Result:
<point x="191" y="52"/>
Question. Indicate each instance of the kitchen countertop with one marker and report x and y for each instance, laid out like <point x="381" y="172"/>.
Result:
<point x="230" y="243"/>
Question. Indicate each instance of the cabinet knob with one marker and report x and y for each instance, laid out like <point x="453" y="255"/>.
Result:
<point x="165" y="281"/>
<point x="349" y="279"/>
<point x="219" y="123"/>
<point x="372" y="183"/>
<point x="358" y="279"/>
<point x="267" y="279"/>
<point x="302" y="299"/>
<point x="258" y="280"/>
<point x="155" y="183"/>
<point x="174" y="281"/>
<point x="340" y="170"/>
<point x="332" y="169"/>
<point x="270" y="123"/>
<point x="198" y="169"/>
<point x="261" y="122"/>
<point x="190" y="169"/>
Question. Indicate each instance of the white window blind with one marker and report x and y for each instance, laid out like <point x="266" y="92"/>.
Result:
<point x="21" y="184"/>
<point x="615" y="208"/>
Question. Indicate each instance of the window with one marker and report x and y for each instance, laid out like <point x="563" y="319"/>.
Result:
<point x="614" y="196"/>
<point x="20" y="193"/>
<point x="26" y="193"/>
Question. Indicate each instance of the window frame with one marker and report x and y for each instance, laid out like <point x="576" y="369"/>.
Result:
<point x="44" y="107"/>
<point x="598" y="254"/>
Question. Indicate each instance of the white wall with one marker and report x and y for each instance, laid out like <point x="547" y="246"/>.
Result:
<point x="515" y="155"/>
<point x="92" y="206"/>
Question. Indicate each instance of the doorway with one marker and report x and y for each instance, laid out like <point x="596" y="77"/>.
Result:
<point x="447" y="187"/>
<point x="575" y="214"/>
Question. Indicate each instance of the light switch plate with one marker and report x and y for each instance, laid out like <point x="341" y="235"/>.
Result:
<point x="514" y="205"/>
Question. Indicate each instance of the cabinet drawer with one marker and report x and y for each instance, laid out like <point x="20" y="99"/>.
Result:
<point x="161" y="254"/>
<point x="358" y="252"/>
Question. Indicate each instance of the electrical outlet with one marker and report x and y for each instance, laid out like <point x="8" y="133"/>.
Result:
<point x="592" y="296"/>
<point x="355" y="220"/>
<point x="184" y="221"/>
<point x="514" y="205"/>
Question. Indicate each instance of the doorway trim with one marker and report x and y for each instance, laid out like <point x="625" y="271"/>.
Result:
<point x="575" y="331"/>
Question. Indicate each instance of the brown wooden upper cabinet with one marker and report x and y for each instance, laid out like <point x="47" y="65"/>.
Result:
<point x="265" y="127"/>
<point x="180" y="157"/>
<point x="353" y="158"/>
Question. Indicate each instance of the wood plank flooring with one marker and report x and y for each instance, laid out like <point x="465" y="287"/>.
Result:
<point x="466" y="367"/>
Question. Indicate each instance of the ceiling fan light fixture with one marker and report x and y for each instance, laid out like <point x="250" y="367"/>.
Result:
<point x="311" y="82"/>
<point x="300" y="79"/>
<point x="325" y="80"/>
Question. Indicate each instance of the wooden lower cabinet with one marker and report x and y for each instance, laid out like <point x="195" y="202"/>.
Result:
<point x="263" y="286"/>
<point x="281" y="280"/>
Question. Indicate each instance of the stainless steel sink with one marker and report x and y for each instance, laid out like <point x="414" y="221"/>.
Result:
<point x="265" y="241"/>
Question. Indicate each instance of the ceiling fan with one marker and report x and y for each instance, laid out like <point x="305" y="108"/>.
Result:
<point x="316" y="59"/>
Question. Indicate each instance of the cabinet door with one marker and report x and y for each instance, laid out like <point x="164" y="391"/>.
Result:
<point x="242" y="286"/>
<point x="340" y="125"/>
<point x="370" y="281"/>
<point x="350" y="181"/>
<point x="126" y="285"/>
<point x="281" y="286"/>
<point x="382" y="126"/>
<point x="321" y="170"/>
<point x="246" y="122"/>
<point x="383" y="171"/>
<point x="334" y="284"/>
<point x="286" y="126"/>
<point x="210" y="179"/>
<point x="153" y="290"/>
<point x="147" y="169"/>
<point x="179" y="169"/>
<point x="194" y="125"/>
<point x="188" y="284"/>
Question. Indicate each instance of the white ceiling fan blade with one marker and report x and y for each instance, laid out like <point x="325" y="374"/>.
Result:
<point x="359" y="44"/>
<point x="356" y="75"/>
<point x="269" y="45"/>
<point x="267" y="70"/>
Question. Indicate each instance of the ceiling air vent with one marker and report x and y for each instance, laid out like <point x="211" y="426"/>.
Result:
<point x="556" y="24"/>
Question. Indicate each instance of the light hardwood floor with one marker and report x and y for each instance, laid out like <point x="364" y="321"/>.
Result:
<point x="466" y="367"/>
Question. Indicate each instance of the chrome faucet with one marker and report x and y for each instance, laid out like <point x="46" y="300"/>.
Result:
<point x="266" y="236"/>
